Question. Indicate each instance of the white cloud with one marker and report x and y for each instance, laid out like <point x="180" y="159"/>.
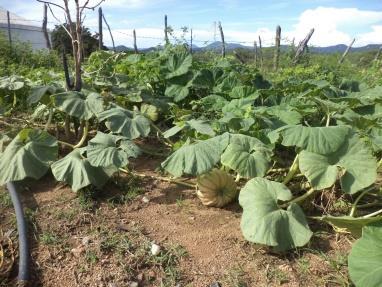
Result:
<point x="329" y="24"/>
<point x="373" y="37"/>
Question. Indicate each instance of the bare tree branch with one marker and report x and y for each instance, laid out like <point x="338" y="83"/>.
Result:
<point x="51" y="3"/>
<point x="93" y="7"/>
<point x="58" y="20"/>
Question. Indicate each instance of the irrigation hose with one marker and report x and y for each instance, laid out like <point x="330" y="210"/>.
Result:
<point x="23" y="275"/>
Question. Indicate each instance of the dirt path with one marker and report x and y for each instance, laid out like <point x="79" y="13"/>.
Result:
<point x="77" y="242"/>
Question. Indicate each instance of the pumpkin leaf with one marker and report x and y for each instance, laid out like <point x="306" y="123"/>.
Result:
<point x="248" y="156"/>
<point x="352" y="224"/>
<point x="196" y="158"/>
<point x="322" y="140"/>
<point x="365" y="258"/>
<point x="76" y="104"/>
<point x="29" y="154"/>
<point x="76" y="170"/>
<point x="130" y="124"/>
<point x="264" y="222"/>
<point x="178" y="64"/>
<point x="110" y="150"/>
<point x="359" y="167"/>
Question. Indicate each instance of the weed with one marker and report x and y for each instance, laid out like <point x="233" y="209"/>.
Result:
<point x="49" y="238"/>
<point x="5" y="199"/>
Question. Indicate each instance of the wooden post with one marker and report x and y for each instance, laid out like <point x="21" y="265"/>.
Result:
<point x="260" y="53"/>
<point x="240" y="58"/>
<point x="302" y="46"/>
<point x="378" y="54"/>
<point x="346" y="52"/>
<point x="191" y="43"/>
<point x="277" y="46"/>
<point x="100" y="39"/>
<point x="222" y="39"/>
<point x="9" y="29"/>
<point x="111" y="35"/>
<point x="135" y="42"/>
<point x="165" y="30"/>
<point x="255" y="52"/>
<point x="44" y="27"/>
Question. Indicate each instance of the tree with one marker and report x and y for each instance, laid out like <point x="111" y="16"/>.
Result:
<point x="60" y="39"/>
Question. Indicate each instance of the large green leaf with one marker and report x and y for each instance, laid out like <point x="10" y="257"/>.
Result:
<point x="75" y="170"/>
<point x="201" y="126"/>
<point x="248" y="156"/>
<point x="130" y="124"/>
<point x="42" y="94"/>
<point x="203" y="79"/>
<point x="178" y="64"/>
<point x="322" y="140"/>
<point x="78" y="105"/>
<point x="359" y="167"/>
<point x="196" y="158"/>
<point x="178" y="92"/>
<point x="28" y="155"/>
<point x="244" y="92"/>
<point x="365" y="258"/>
<point x="352" y="224"/>
<point x="110" y="150"/>
<point x="264" y="222"/>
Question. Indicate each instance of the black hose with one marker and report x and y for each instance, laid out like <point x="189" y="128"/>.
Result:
<point x="22" y="230"/>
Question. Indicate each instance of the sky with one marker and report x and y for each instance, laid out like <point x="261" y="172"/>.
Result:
<point x="335" y="22"/>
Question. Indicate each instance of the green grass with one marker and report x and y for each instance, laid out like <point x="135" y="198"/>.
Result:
<point x="49" y="238"/>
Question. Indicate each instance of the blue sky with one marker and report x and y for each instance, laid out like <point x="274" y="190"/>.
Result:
<point x="335" y="22"/>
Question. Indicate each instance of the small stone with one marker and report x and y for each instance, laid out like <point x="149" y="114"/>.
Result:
<point x="155" y="249"/>
<point x="86" y="240"/>
<point x="140" y="277"/>
<point x="113" y="285"/>
<point x="215" y="284"/>
<point x="192" y="218"/>
<point x="145" y="199"/>
<point x="77" y="251"/>
<point x="133" y="284"/>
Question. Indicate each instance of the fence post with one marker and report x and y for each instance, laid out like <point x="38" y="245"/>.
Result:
<point x="111" y="35"/>
<point x="378" y="54"/>
<point x="277" y="46"/>
<point x="255" y="52"/>
<point x="302" y="46"/>
<point x="346" y="52"/>
<point x="44" y="27"/>
<point x="100" y="39"/>
<point x="135" y="42"/>
<point x="9" y="30"/>
<point x="222" y="39"/>
<point x="191" y="43"/>
<point x="165" y="30"/>
<point x="260" y="53"/>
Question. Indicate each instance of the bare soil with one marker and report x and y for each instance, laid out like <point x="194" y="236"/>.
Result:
<point x="106" y="242"/>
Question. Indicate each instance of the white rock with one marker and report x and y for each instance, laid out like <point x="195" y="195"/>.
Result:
<point x="86" y="240"/>
<point x="155" y="249"/>
<point x="133" y="284"/>
<point x="145" y="199"/>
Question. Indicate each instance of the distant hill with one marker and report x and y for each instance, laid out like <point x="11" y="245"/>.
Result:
<point x="232" y="46"/>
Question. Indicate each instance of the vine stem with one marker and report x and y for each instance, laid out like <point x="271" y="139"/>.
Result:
<point x="328" y="120"/>
<point x="50" y="117"/>
<point x="372" y="214"/>
<point x="66" y="144"/>
<point x="292" y="171"/>
<point x="354" y="205"/>
<point x="301" y="198"/>
<point x="380" y="163"/>
<point x="168" y="141"/>
<point x="84" y="136"/>
<point x="160" y="178"/>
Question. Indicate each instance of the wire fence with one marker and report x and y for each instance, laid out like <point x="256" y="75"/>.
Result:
<point x="128" y="41"/>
